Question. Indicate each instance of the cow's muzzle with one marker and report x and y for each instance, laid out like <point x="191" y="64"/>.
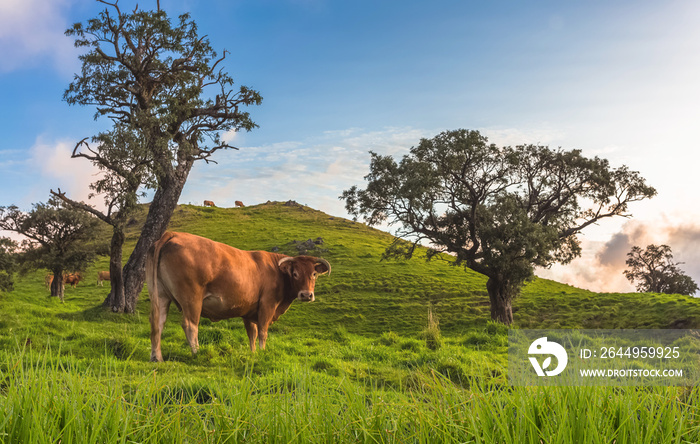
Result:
<point x="305" y="296"/>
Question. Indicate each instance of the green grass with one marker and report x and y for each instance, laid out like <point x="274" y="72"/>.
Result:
<point x="46" y="396"/>
<point x="358" y="365"/>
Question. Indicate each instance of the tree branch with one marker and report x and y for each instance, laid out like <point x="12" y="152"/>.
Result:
<point x="82" y="206"/>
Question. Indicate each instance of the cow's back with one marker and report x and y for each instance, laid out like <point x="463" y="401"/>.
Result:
<point x="226" y="281"/>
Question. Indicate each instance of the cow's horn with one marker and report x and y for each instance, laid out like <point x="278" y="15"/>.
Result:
<point x="284" y="259"/>
<point x="324" y="262"/>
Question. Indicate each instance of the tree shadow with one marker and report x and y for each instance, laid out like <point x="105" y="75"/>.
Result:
<point x="100" y="313"/>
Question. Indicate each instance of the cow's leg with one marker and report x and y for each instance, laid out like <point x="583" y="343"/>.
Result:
<point x="190" y="323"/>
<point x="252" y="329"/>
<point x="264" y="320"/>
<point x="159" y="312"/>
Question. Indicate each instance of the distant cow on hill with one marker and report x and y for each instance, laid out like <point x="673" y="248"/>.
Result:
<point x="72" y="279"/>
<point x="239" y="203"/>
<point x="214" y="280"/>
<point x="208" y="203"/>
<point x="101" y="277"/>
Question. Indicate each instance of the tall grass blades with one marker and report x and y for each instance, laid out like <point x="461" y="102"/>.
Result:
<point x="47" y="398"/>
<point x="431" y="333"/>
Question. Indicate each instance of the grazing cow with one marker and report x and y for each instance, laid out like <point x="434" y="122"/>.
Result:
<point x="208" y="203"/>
<point x="101" y="277"/>
<point x="239" y="203"/>
<point x="214" y="280"/>
<point x="72" y="279"/>
<point x="48" y="280"/>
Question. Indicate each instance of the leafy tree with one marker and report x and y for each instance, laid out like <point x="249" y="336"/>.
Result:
<point x="500" y="211"/>
<point x="655" y="271"/>
<point x="162" y="82"/>
<point x="124" y="163"/>
<point x="58" y="238"/>
<point x="8" y="263"/>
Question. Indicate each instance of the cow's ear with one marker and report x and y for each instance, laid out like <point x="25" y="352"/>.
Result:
<point x="322" y="266"/>
<point x="285" y="265"/>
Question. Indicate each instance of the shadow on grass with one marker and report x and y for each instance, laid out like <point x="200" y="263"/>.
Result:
<point x="100" y="313"/>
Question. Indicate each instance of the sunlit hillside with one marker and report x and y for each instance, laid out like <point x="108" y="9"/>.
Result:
<point x="361" y="364"/>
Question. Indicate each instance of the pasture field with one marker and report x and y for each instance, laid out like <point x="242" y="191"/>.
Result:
<point x="361" y="364"/>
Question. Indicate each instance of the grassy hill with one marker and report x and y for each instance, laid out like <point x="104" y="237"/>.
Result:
<point x="364" y="343"/>
<point x="370" y="296"/>
<point x="364" y="295"/>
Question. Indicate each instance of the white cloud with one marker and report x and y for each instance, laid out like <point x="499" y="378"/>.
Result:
<point x="313" y="171"/>
<point x="12" y="235"/>
<point x="229" y="136"/>
<point x="32" y="31"/>
<point x="53" y="161"/>
<point x="602" y="263"/>
<point x="52" y="167"/>
<point x="544" y="135"/>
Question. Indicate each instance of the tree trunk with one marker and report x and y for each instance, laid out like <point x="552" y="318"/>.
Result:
<point x="159" y="214"/>
<point x="57" y="286"/>
<point x="501" y="295"/>
<point x="116" y="299"/>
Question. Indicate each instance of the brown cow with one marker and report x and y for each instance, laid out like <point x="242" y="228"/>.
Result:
<point x="72" y="279"/>
<point x="214" y="280"/>
<point x="69" y="278"/>
<point x="238" y="203"/>
<point x="101" y="277"/>
<point x="208" y="203"/>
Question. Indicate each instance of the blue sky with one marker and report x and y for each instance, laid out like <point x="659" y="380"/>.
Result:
<point x="615" y="79"/>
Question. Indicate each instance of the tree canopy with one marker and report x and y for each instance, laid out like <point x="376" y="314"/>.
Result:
<point x="171" y="103"/>
<point x="58" y="238"/>
<point x="145" y="72"/>
<point x="500" y="211"/>
<point x="654" y="270"/>
<point x="123" y="161"/>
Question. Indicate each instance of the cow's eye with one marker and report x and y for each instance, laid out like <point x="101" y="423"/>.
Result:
<point x="296" y="275"/>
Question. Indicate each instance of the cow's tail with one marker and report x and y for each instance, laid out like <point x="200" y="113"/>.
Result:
<point x="152" y="261"/>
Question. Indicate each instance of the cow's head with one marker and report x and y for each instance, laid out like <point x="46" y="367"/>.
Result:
<point x="303" y="271"/>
